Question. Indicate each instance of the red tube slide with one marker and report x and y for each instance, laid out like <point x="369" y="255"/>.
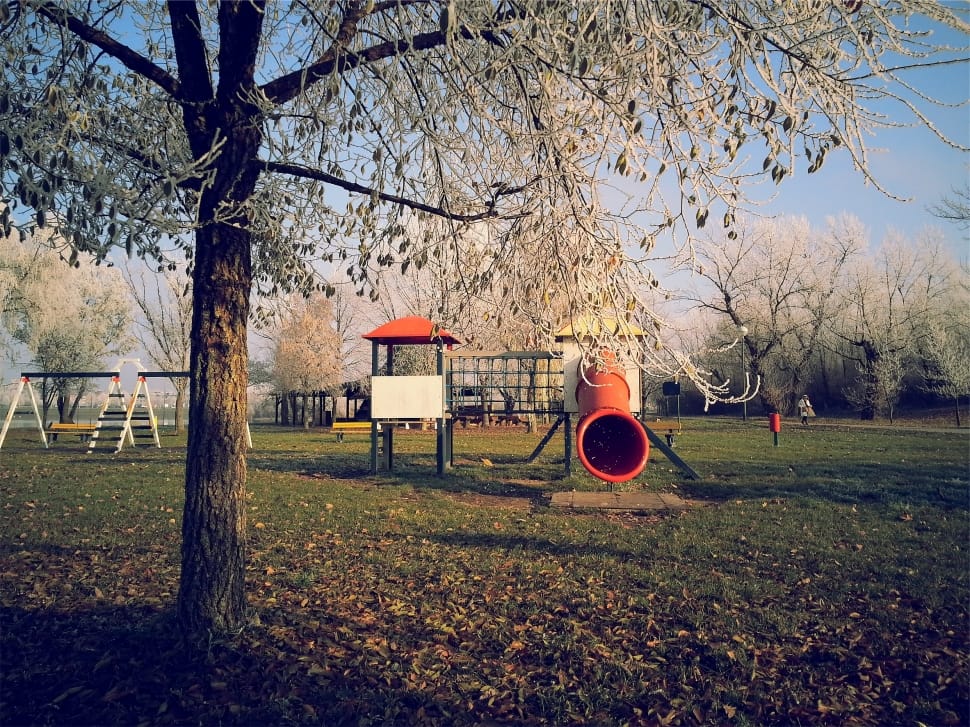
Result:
<point x="612" y="445"/>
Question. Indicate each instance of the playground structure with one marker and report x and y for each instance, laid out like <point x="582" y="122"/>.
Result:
<point x="481" y="388"/>
<point x="604" y="392"/>
<point x="418" y="397"/>
<point x="121" y="418"/>
<point x="470" y="388"/>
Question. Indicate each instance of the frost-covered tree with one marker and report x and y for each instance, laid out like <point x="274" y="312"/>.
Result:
<point x="948" y="350"/>
<point x="67" y="318"/>
<point x="890" y="298"/>
<point x="306" y="348"/>
<point x="265" y="136"/>
<point x="348" y="321"/>
<point x="442" y="289"/>
<point x="164" y="327"/>
<point x="777" y="279"/>
<point x="955" y="207"/>
<point x="945" y="344"/>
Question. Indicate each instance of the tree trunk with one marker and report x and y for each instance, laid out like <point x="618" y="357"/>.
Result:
<point x="870" y="381"/>
<point x="285" y="409"/>
<point x="211" y="592"/>
<point x="75" y="403"/>
<point x="46" y="399"/>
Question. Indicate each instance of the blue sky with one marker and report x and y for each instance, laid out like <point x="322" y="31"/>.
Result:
<point x="911" y="163"/>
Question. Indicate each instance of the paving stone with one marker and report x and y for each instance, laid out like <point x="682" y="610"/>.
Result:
<point x="639" y="501"/>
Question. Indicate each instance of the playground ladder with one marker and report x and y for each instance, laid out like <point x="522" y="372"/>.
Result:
<point x="133" y="419"/>
<point x="141" y="422"/>
<point x="113" y="418"/>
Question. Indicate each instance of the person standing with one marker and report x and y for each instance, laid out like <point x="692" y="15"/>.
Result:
<point x="805" y="409"/>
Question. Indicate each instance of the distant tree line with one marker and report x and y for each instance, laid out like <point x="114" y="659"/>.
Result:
<point x="859" y="327"/>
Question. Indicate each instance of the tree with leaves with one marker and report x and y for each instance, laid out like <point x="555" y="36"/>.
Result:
<point x="264" y="137"/>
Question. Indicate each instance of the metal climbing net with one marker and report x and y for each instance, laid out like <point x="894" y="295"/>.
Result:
<point x="503" y="387"/>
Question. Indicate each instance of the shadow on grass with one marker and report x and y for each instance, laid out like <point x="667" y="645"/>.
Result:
<point x="531" y="544"/>
<point x="507" y="476"/>
<point x="857" y="484"/>
<point x="125" y="665"/>
<point x="99" y="666"/>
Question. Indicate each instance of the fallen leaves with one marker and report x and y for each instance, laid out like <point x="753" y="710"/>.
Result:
<point x="404" y="605"/>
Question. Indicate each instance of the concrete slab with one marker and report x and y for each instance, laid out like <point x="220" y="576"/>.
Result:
<point x="630" y="501"/>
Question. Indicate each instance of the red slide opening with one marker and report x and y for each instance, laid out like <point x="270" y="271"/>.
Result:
<point x="611" y="443"/>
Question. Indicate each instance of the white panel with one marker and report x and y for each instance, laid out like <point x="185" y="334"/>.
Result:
<point x="570" y="368"/>
<point x="407" y="397"/>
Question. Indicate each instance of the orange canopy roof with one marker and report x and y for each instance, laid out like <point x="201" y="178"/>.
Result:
<point x="410" y="331"/>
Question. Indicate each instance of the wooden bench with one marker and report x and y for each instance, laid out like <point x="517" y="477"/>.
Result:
<point x="84" y="431"/>
<point x="353" y="426"/>
<point x="668" y="427"/>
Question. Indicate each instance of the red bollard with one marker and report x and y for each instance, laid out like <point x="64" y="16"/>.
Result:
<point x="611" y="444"/>
<point x="774" y="424"/>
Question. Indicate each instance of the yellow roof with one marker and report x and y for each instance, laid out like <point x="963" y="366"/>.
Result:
<point x="587" y="327"/>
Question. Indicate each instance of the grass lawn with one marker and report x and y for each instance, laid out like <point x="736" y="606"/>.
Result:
<point x="823" y="581"/>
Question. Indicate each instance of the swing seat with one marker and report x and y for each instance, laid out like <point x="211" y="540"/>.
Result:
<point x="84" y="431"/>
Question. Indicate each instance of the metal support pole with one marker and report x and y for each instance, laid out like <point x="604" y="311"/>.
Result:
<point x="743" y="330"/>
<point x="375" y="371"/>
<point x="440" y="438"/>
<point x="744" y="404"/>
<point x="568" y="436"/>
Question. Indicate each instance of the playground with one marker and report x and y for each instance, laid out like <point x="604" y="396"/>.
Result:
<point x="122" y="419"/>
<point x="822" y="581"/>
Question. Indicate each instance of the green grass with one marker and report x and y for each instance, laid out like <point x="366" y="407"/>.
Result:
<point x="824" y="581"/>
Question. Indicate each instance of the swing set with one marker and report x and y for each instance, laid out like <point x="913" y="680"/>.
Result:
<point x="121" y="418"/>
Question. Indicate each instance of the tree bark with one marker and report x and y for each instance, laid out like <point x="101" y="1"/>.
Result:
<point x="211" y="592"/>
<point x="870" y="382"/>
<point x="212" y="586"/>
<point x="75" y="403"/>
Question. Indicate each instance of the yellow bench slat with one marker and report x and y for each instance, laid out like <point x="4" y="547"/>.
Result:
<point x="665" y="424"/>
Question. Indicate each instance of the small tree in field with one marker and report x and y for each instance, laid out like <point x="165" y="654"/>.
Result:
<point x="945" y="345"/>
<point x="267" y="136"/>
